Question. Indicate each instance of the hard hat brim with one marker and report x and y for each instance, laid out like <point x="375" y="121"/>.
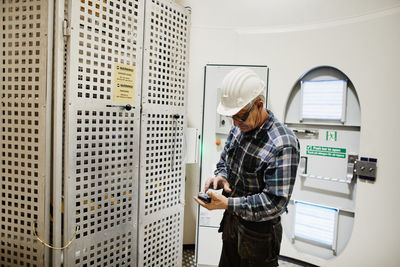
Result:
<point x="228" y="111"/>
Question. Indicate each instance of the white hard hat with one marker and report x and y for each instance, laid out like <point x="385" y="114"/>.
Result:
<point x="239" y="87"/>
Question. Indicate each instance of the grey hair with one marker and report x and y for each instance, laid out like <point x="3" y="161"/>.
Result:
<point x="260" y="98"/>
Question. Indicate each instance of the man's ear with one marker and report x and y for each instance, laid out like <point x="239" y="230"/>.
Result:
<point x="260" y="105"/>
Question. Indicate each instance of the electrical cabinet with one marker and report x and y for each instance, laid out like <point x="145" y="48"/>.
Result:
<point x="215" y="131"/>
<point x="92" y="127"/>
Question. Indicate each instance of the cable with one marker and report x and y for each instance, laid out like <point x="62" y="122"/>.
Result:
<point x="49" y="246"/>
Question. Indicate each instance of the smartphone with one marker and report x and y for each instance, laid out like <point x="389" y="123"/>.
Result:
<point x="204" y="197"/>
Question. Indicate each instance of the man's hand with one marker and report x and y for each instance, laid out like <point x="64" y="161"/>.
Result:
<point x="218" y="202"/>
<point x="217" y="183"/>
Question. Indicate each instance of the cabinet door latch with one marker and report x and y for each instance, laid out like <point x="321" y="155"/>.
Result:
<point x="365" y="168"/>
<point x="66" y="28"/>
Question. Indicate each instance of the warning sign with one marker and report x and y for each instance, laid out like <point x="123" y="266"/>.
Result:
<point x="124" y="83"/>
<point x="326" y="151"/>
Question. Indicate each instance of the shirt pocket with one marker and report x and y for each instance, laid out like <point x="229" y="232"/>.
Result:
<point x="251" y="163"/>
<point x="252" y="182"/>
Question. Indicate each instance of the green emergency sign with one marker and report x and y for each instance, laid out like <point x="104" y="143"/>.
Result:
<point x="331" y="136"/>
<point x="326" y="151"/>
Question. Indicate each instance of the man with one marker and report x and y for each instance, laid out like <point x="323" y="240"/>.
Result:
<point x="256" y="171"/>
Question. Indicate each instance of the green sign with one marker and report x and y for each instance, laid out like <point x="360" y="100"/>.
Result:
<point x="331" y="135"/>
<point x="326" y="151"/>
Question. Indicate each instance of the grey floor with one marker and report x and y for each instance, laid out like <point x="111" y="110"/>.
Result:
<point x="189" y="261"/>
<point x="188" y="257"/>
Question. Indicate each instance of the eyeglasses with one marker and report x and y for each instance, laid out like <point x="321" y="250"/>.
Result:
<point x="245" y="116"/>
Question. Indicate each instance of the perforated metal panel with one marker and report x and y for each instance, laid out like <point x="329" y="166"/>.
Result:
<point x="23" y="124"/>
<point x="162" y="166"/>
<point x="166" y="54"/>
<point x="102" y="141"/>
<point x="163" y="244"/>
<point x="162" y="174"/>
<point x="162" y="190"/>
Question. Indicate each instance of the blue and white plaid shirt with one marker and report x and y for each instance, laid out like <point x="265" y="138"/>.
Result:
<point x="260" y="167"/>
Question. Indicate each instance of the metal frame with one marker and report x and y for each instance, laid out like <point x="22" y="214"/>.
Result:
<point x="58" y="128"/>
<point x="26" y="129"/>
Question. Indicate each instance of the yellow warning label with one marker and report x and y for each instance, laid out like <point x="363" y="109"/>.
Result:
<point x="124" y="83"/>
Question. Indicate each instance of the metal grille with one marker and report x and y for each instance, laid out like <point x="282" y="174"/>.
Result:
<point x="162" y="173"/>
<point x="103" y="141"/>
<point x="166" y="45"/>
<point x="104" y="168"/>
<point x="163" y="166"/>
<point x="107" y="33"/>
<point x="162" y="190"/>
<point x="23" y="181"/>
<point x="104" y="186"/>
<point x="163" y="241"/>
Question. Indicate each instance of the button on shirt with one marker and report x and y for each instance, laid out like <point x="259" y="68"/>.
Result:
<point x="260" y="167"/>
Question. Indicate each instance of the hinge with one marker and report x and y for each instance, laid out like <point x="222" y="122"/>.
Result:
<point x="66" y="28"/>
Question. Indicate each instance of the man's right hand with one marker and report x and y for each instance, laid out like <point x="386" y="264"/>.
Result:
<point x="217" y="183"/>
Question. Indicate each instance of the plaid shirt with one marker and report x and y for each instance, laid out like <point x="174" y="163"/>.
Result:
<point x="260" y="167"/>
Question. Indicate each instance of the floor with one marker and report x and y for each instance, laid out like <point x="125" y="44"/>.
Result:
<point x="189" y="261"/>
<point x="188" y="257"/>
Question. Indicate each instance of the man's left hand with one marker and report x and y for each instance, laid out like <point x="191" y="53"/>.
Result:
<point x="218" y="202"/>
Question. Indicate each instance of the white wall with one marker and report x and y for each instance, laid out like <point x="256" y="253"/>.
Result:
<point x="212" y="45"/>
<point x="366" y="47"/>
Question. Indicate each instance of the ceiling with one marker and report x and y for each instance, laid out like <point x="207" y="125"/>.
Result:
<point x="277" y="13"/>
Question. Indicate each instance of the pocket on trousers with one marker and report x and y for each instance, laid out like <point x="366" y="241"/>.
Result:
<point x="258" y="247"/>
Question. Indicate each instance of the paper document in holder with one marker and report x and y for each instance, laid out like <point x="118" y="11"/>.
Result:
<point x="323" y="99"/>
<point x="315" y="223"/>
